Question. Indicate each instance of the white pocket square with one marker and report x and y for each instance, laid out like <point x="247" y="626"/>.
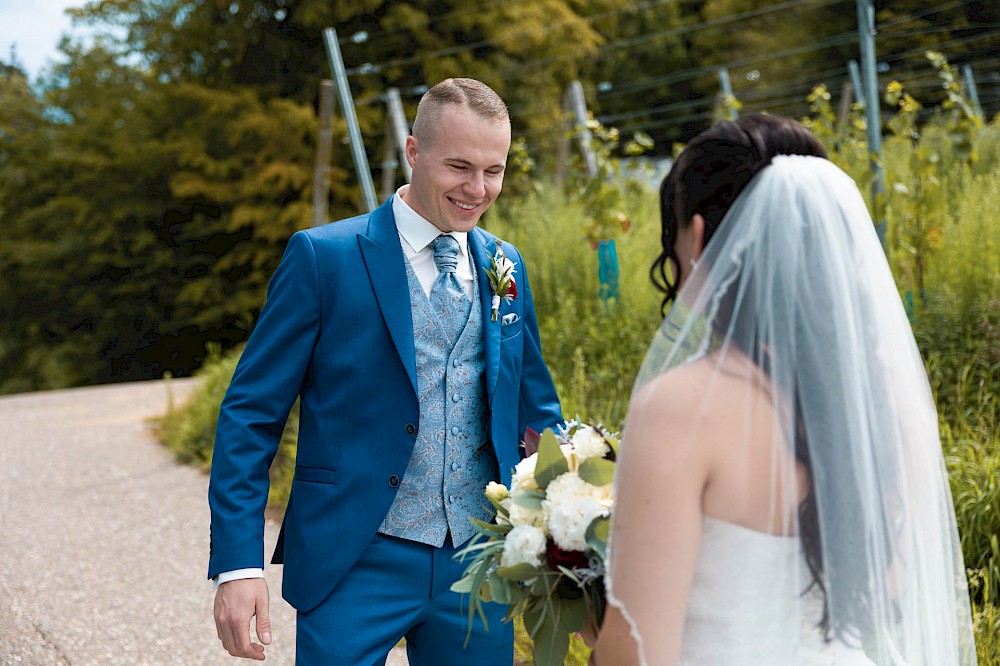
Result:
<point x="509" y="318"/>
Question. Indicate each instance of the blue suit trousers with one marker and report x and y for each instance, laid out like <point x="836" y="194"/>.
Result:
<point x="398" y="589"/>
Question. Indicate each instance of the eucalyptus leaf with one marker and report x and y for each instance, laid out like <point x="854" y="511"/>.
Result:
<point x="499" y="590"/>
<point x="529" y="498"/>
<point x="478" y="579"/>
<point x="551" y="461"/>
<point x="533" y="619"/>
<point x="491" y="528"/>
<point x="551" y="642"/>
<point x="540" y="587"/>
<point x="518" y="572"/>
<point x="613" y="443"/>
<point x="597" y="536"/>
<point x="597" y="471"/>
<point x="463" y="585"/>
<point x="573" y="614"/>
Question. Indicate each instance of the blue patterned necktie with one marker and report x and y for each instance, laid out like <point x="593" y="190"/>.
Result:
<point x="448" y="298"/>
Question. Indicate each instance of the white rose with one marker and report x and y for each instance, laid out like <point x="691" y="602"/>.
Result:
<point x="521" y="515"/>
<point x="501" y="519"/>
<point x="570" y="455"/>
<point x="496" y="492"/>
<point x="524" y="474"/>
<point x="524" y="545"/>
<point x="571" y="505"/>
<point x="589" y="443"/>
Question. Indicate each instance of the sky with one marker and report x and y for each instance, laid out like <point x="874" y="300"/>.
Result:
<point x="35" y="26"/>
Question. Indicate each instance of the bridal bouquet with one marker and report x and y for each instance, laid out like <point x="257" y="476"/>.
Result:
<point x="544" y="554"/>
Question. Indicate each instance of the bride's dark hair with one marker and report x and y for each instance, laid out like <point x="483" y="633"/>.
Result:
<point x="712" y="171"/>
<point x="706" y="179"/>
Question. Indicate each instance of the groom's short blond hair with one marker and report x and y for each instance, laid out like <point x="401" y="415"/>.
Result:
<point x="468" y="93"/>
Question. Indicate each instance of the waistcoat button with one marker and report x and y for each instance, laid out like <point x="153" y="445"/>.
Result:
<point x="410" y="429"/>
<point x="393" y="481"/>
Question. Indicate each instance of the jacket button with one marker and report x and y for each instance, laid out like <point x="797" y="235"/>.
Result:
<point x="393" y="481"/>
<point x="410" y="429"/>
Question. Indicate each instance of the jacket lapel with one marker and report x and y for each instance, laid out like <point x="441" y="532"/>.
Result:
<point x="383" y="256"/>
<point x="481" y="255"/>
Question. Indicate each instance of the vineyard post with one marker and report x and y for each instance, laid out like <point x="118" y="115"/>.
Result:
<point x="353" y="131"/>
<point x="866" y="36"/>
<point x="324" y="147"/>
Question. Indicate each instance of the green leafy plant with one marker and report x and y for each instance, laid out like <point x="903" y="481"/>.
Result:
<point x="606" y="195"/>
<point x="916" y="198"/>
<point x="964" y="123"/>
<point x="986" y="624"/>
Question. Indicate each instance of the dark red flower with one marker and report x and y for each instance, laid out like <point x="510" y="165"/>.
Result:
<point x="512" y="290"/>
<point x="569" y="559"/>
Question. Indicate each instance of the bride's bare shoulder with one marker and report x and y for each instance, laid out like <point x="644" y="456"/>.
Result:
<point x="680" y="387"/>
<point x="658" y="436"/>
<point x="667" y="402"/>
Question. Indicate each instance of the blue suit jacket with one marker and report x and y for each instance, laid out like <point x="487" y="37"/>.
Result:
<point x="337" y="331"/>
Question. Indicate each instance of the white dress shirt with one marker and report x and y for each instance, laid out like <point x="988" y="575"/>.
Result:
<point x="415" y="235"/>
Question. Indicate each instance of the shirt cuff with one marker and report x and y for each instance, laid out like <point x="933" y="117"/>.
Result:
<point x="236" y="574"/>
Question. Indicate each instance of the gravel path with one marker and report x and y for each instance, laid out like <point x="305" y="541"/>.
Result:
<point x="104" y="538"/>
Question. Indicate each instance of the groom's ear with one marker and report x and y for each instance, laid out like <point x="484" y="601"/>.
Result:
<point x="412" y="148"/>
<point x="698" y="229"/>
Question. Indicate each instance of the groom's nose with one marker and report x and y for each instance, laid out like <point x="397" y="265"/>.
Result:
<point x="475" y="184"/>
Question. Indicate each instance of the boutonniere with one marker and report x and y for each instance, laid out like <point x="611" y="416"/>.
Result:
<point x="501" y="274"/>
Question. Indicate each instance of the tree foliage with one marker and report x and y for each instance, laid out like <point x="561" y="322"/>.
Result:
<point x="141" y="220"/>
<point x="148" y="191"/>
<point x="147" y="187"/>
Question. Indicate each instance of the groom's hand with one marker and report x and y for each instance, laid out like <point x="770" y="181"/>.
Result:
<point x="235" y="603"/>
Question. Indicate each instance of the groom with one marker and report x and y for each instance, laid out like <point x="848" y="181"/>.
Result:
<point x="412" y="399"/>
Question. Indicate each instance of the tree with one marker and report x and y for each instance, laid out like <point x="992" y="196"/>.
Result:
<point x="143" y="224"/>
<point x="527" y="51"/>
<point x="637" y="76"/>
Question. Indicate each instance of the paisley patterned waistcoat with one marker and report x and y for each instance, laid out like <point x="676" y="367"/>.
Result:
<point x="453" y="457"/>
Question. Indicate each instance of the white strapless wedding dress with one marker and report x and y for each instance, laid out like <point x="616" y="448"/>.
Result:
<point x="746" y="607"/>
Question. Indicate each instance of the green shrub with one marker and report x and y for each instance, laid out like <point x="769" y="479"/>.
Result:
<point x="593" y="347"/>
<point x="189" y="430"/>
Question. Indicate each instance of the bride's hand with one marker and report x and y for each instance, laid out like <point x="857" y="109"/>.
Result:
<point x="589" y="631"/>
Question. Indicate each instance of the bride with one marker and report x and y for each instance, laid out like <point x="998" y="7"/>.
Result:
<point x="782" y="497"/>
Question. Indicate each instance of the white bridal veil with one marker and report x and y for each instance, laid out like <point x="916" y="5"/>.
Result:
<point x="793" y="296"/>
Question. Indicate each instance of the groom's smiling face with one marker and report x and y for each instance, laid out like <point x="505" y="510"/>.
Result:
<point x="458" y="170"/>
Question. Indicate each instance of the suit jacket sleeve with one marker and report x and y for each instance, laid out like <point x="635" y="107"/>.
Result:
<point x="539" y="404"/>
<point x="268" y="378"/>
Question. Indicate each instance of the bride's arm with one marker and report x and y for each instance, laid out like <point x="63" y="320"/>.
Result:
<point x="657" y="526"/>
